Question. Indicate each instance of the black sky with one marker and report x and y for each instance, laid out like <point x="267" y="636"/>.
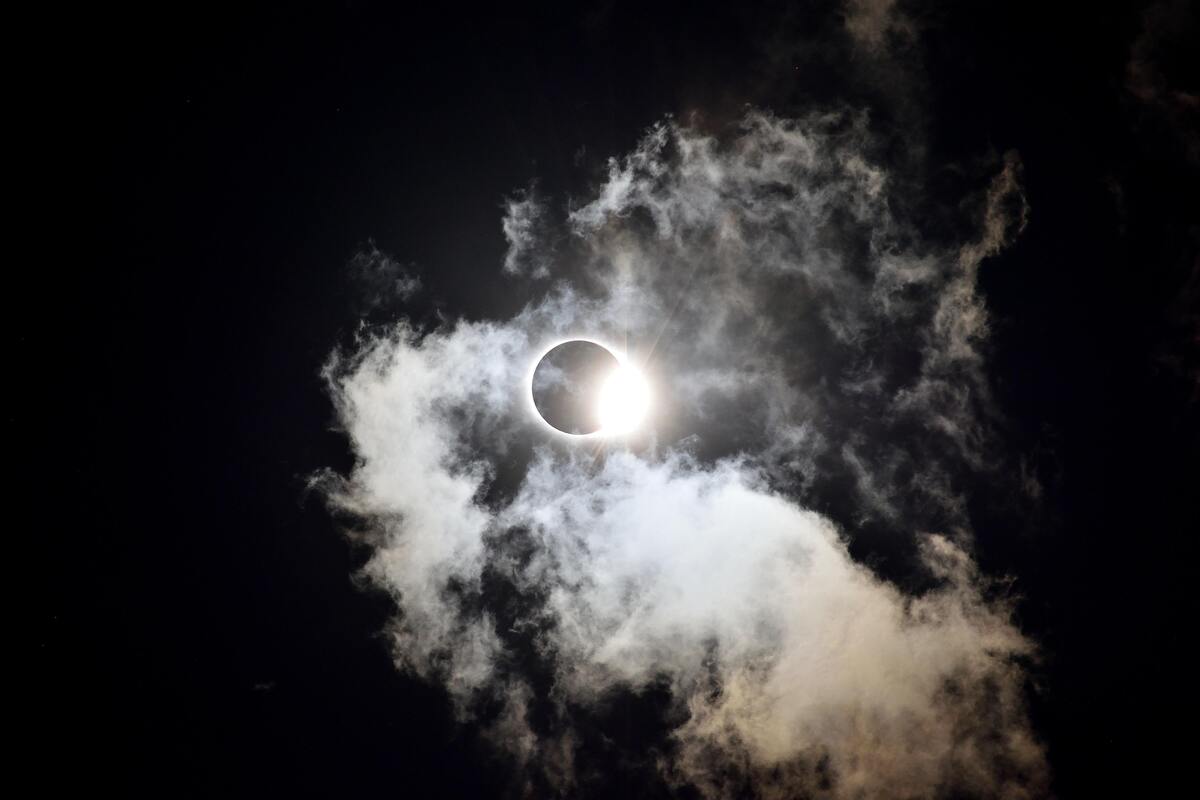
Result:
<point x="199" y="179"/>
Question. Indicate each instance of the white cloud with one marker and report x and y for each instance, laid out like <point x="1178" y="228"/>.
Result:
<point x="524" y="225"/>
<point x="794" y="323"/>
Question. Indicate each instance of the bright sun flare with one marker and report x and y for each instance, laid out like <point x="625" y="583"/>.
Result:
<point x="623" y="402"/>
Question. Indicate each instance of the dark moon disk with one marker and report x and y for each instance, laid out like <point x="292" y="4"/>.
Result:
<point x="566" y="385"/>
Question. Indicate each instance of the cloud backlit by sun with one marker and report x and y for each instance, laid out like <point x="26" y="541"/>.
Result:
<point x="793" y="343"/>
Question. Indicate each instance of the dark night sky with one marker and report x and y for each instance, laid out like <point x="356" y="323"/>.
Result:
<point x="204" y="175"/>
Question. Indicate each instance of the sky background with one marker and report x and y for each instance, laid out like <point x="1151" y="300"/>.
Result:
<point x="234" y="194"/>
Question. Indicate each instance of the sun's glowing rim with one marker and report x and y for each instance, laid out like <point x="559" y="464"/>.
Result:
<point x="623" y="363"/>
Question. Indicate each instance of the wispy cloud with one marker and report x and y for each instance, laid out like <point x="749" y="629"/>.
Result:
<point x="525" y="226"/>
<point x="801" y="338"/>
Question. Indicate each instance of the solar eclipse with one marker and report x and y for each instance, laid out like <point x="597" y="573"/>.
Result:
<point x="582" y="388"/>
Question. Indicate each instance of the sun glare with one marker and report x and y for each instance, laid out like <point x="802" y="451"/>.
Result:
<point x="624" y="400"/>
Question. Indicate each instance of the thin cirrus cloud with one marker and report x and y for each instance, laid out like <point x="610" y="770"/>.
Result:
<point x="795" y="327"/>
